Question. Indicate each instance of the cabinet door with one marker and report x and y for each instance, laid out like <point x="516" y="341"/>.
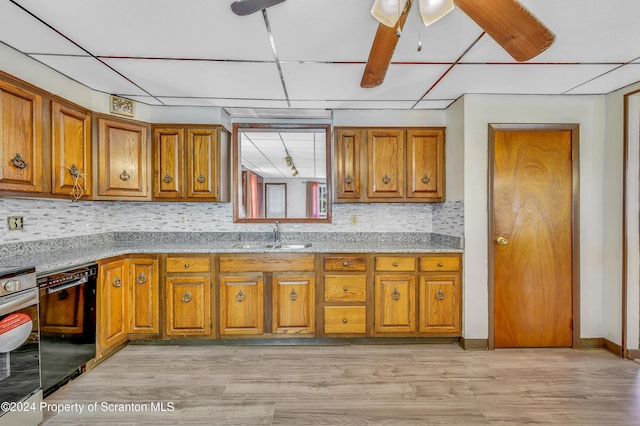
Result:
<point x="189" y="306"/>
<point x="202" y="163"/>
<point x="293" y="303"/>
<point x="395" y="303"/>
<point x="347" y="164"/>
<point x="242" y="304"/>
<point x="439" y="304"/>
<point x="62" y="312"/>
<point x="168" y="163"/>
<point x="20" y="139"/>
<point x="425" y="164"/>
<point x="122" y="159"/>
<point x="386" y="162"/>
<point x="112" y="304"/>
<point x="143" y="276"/>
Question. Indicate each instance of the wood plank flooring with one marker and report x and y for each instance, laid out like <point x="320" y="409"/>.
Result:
<point x="352" y="385"/>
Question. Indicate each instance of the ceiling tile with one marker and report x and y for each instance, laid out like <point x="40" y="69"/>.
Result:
<point x="513" y="78"/>
<point x="232" y="103"/>
<point x="90" y="72"/>
<point x="609" y="82"/>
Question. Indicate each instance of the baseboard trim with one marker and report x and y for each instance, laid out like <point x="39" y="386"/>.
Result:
<point x="613" y="347"/>
<point x="601" y="342"/>
<point x="633" y="353"/>
<point x="474" y="344"/>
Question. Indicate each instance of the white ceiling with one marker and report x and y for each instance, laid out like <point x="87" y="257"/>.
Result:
<point x="197" y="52"/>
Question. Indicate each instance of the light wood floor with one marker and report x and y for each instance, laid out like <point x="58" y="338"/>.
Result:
<point x="354" y="385"/>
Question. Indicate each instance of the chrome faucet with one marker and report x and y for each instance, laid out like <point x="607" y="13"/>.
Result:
<point x="276" y="232"/>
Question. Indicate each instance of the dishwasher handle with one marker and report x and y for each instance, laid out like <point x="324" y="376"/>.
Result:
<point x="65" y="286"/>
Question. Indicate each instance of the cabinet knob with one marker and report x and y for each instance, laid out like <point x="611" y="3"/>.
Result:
<point x="395" y="295"/>
<point x="440" y="294"/>
<point x="167" y="178"/>
<point x="186" y="265"/>
<point x="186" y="297"/>
<point x="386" y="179"/>
<point x="240" y="296"/>
<point x="142" y="278"/>
<point x="345" y="289"/>
<point x="345" y="264"/>
<point x="117" y="282"/>
<point x="73" y="171"/>
<point x="395" y="264"/>
<point x="348" y="180"/>
<point x="344" y="320"/>
<point x="426" y="179"/>
<point x="440" y="264"/>
<point x="124" y="176"/>
<point x="201" y="178"/>
<point x="18" y="162"/>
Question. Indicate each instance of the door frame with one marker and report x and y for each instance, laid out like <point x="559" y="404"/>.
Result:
<point x="575" y="220"/>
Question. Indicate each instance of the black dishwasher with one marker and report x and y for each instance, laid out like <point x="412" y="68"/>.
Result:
<point x="67" y="324"/>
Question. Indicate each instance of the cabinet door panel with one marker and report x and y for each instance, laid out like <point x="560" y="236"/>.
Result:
<point x="348" y="164"/>
<point x="20" y="139"/>
<point x="395" y="303"/>
<point x="439" y="304"/>
<point x="425" y="163"/>
<point x="293" y="303"/>
<point x="112" y="304"/>
<point x="71" y="151"/>
<point x="144" y="296"/>
<point x="188" y="306"/>
<point x="167" y="163"/>
<point x="386" y="163"/>
<point x="242" y="305"/>
<point x="202" y="163"/>
<point x="122" y="159"/>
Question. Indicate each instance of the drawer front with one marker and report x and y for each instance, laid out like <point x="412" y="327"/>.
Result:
<point x="267" y="263"/>
<point x="345" y="288"/>
<point x="345" y="320"/>
<point x="395" y="263"/>
<point x="345" y="263"/>
<point x="440" y="263"/>
<point x="188" y="264"/>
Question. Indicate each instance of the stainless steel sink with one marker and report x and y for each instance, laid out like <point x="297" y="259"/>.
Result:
<point x="272" y="246"/>
<point x="291" y="246"/>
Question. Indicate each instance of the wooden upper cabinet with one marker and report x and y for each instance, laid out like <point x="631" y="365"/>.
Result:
<point x="202" y="163"/>
<point x="168" y="177"/>
<point x="425" y="164"/>
<point x="122" y="159"/>
<point x="348" y="164"/>
<point x="20" y="139"/>
<point x="70" y="151"/>
<point x="385" y="163"/>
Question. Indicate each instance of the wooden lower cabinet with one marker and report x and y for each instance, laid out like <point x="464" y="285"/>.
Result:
<point x="188" y="306"/>
<point x="395" y="303"/>
<point x="112" y="307"/>
<point x="345" y="319"/>
<point x="242" y="304"/>
<point x="293" y="303"/>
<point x="144" y="310"/>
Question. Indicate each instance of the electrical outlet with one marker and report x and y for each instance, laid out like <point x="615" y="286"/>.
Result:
<point x="183" y="218"/>
<point x="15" y="223"/>
<point x="354" y="219"/>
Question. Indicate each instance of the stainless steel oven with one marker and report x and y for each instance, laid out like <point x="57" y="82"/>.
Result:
<point x="67" y="324"/>
<point x="19" y="344"/>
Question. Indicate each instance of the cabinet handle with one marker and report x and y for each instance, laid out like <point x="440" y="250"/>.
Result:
<point x="395" y="264"/>
<point x="293" y="296"/>
<point x="117" y="282"/>
<point x="440" y="294"/>
<point x="142" y="278"/>
<point x="186" y="265"/>
<point x="186" y="297"/>
<point x="386" y="179"/>
<point x="167" y="178"/>
<point x="18" y="162"/>
<point x="73" y="171"/>
<point x="240" y="296"/>
<point x="440" y="264"/>
<point x="348" y="180"/>
<point x="425" y="179"/>
<point x="395" y="295"/>
<point x="201" y="178"/>
<point x="124" y="176"/>
<point x="344" y="320"/>
<point x="345" y="289"/>
<point x="345" y="264"/>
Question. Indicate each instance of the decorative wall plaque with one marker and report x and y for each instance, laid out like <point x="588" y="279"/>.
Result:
<point x="121" y="106"/>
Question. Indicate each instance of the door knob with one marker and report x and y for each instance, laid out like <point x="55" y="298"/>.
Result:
<point x="502" y="241"/>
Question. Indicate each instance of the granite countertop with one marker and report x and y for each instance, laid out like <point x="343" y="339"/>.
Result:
<point x="66" y="254"/>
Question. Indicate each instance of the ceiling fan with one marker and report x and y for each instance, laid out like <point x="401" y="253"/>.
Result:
<point x="247" y="7"/>
<point x="508" y="22"/>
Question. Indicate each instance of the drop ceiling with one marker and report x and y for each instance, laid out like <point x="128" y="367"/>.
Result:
<point x="198" y="53"/>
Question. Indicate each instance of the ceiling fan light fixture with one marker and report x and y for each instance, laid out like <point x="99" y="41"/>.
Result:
<point x="433" y="10"/>
<point x="387" y="12"/>
<point x="294" y="171"/>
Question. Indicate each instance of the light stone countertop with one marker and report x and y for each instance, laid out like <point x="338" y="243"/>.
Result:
<point x="63" y="258"/>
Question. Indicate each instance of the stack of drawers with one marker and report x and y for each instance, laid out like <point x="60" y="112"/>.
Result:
<point x="345" y="295"/>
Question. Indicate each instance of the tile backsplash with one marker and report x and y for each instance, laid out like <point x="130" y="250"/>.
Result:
<point x="49" y="218"/>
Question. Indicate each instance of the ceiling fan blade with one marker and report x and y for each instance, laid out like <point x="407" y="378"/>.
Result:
<point x="511" y="25"/>
<point x="247" y="7"/>
<point x="384" y="44"/>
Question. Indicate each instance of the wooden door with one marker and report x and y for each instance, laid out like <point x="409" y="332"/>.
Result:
<point x="143" y="276"/>
<point x="122" y="159"/>
<point x="168" y="163"/>
<point x="188" y="306"/>
<point x="395" y="303"/>
<point x="202" y="163"/>
<point x="20" y="139"/>
<point x="532" y="224"/>
<point x="70" y="151"/>
<point x="386" y="163"/>
<point x="347" y="164"/>
<point x="112" y="304"/>
<point x="293" y="303"/>
<point x="242" y="304"/>
<point x="439" y="304"/>
<point x="425" y="164"/>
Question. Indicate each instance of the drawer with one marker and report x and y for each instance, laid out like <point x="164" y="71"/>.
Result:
<point x="440" y="263"/>
<point x="188" y="264"/>
<point x="267" y="263"/>
<point x="395" y="263"/>
<point x="345" y="319"/>
<point x="345" y="288"/>
<point x="345" y="263"/>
